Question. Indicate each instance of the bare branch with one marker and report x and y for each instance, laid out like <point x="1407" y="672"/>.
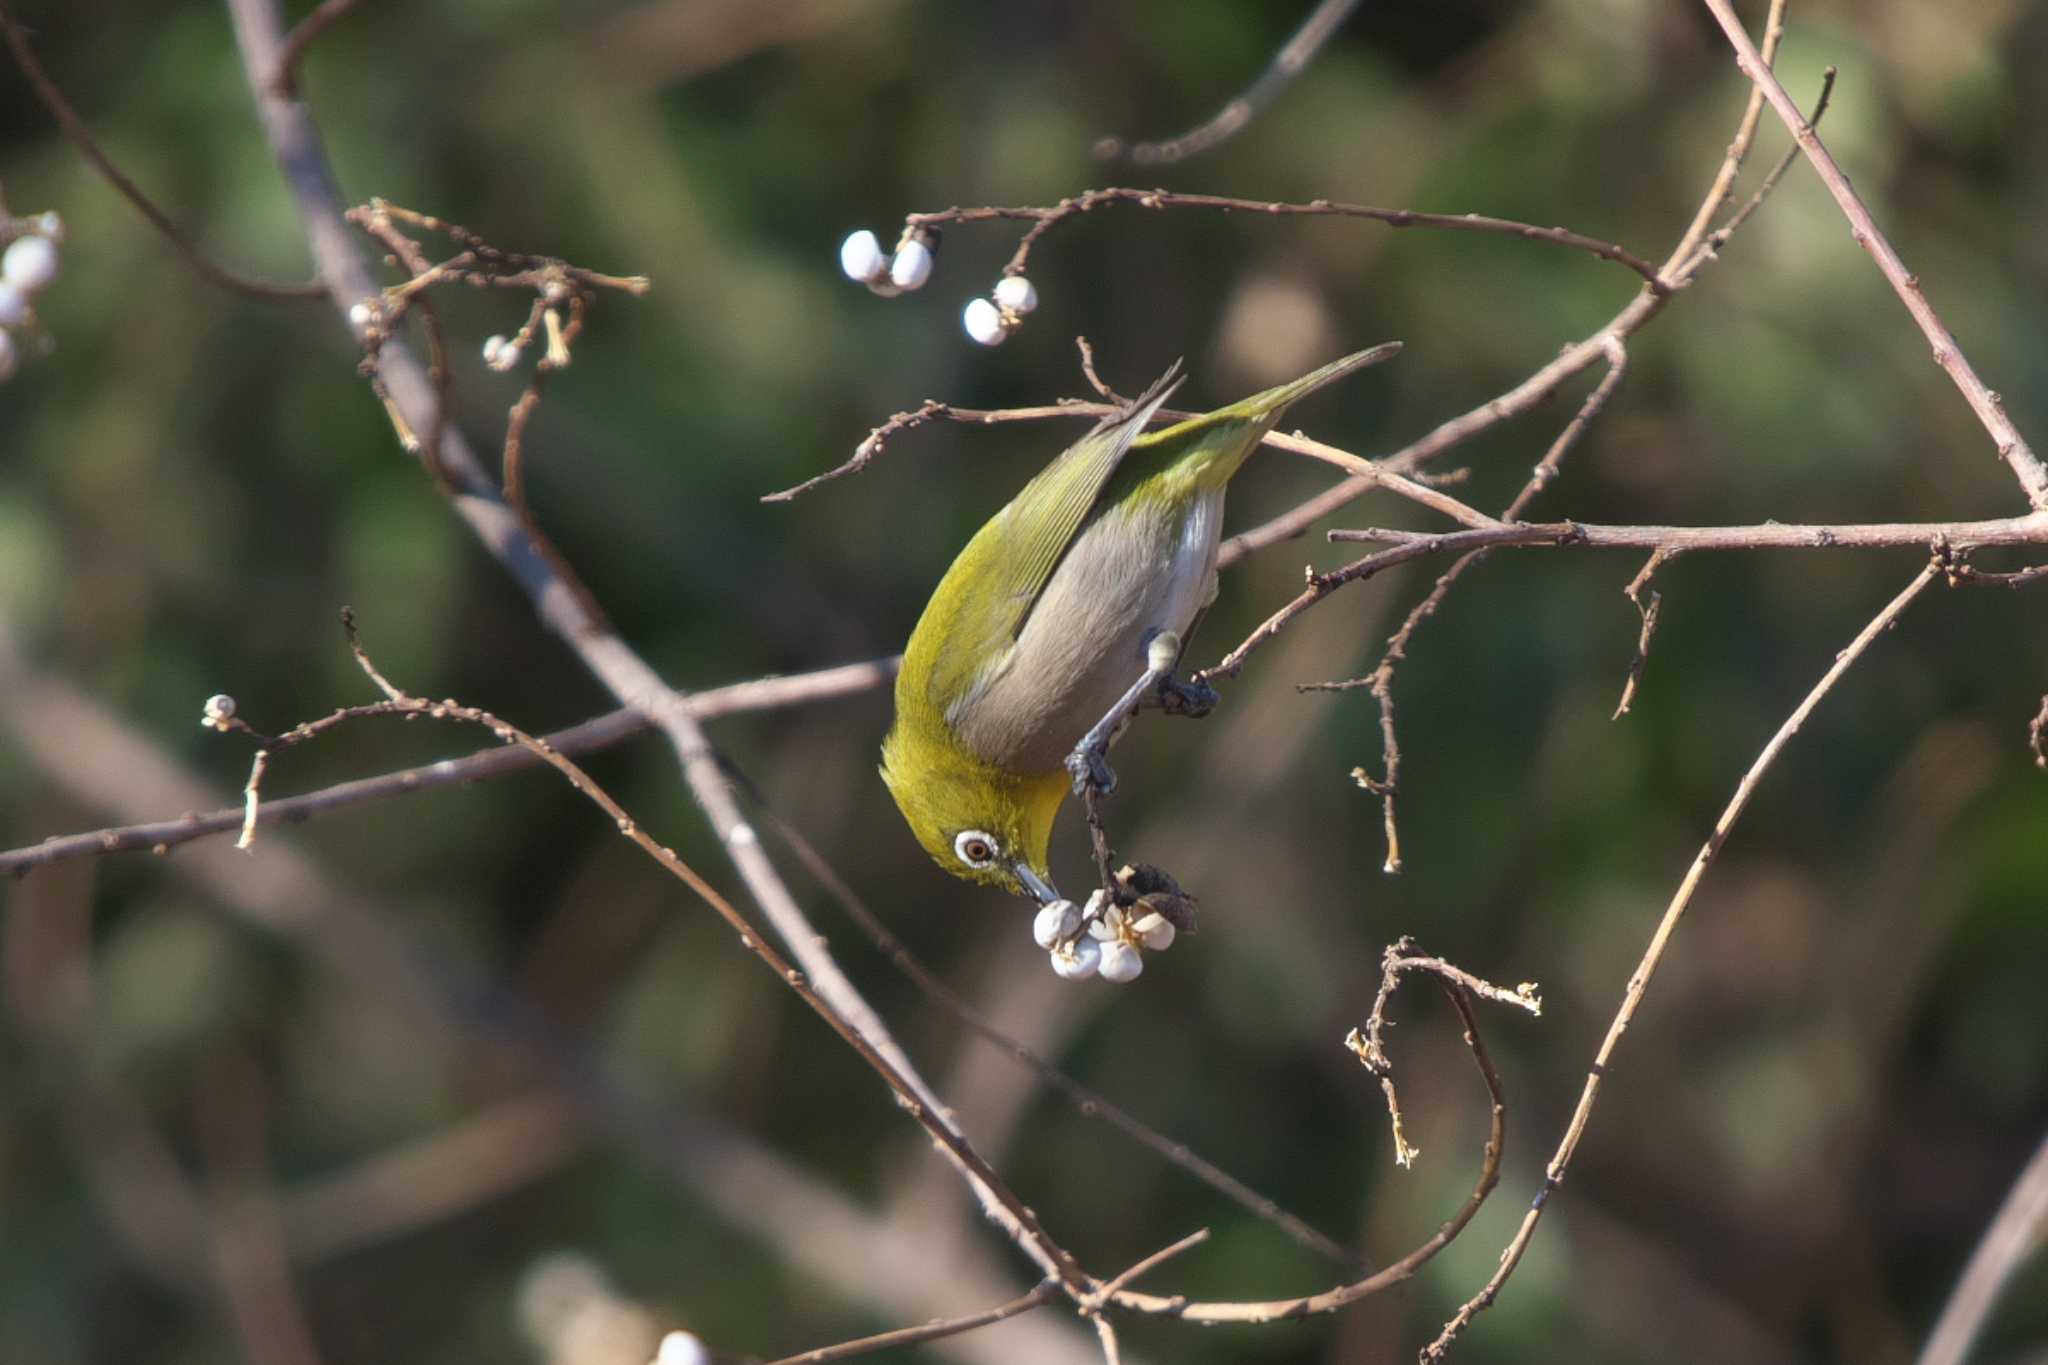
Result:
<point x="284" y="80"/>
<point x="81" y="137"/>
<point x="2016" y="1232"/>
<point x="295" y="141"/>
<point x="2012" y="448"/>
<point x="1639" y="980"/>
<point x="762" y="694"/>
<point x="1290" y="61"/>
<point x="1044" y="218"/>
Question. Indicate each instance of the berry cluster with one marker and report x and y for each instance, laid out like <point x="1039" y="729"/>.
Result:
<point x="989" y="321"/>
<point x="1113" y="943"/>
<point x="27" y="267"/>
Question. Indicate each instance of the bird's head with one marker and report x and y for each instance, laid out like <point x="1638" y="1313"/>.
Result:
<point x="978" y="821"/>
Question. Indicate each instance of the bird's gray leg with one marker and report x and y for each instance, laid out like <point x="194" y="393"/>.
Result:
<point x="1191" y="699"/>
<point x="1089" y="762"/>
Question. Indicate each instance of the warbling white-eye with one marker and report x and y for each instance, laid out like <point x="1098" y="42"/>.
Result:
<point x="1063" y="614"/>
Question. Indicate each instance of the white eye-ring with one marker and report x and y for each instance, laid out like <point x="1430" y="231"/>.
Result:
<point x="975" y="848"/>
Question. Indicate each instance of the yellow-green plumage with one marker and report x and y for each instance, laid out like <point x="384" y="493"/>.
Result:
<point x="1042" y="621"/>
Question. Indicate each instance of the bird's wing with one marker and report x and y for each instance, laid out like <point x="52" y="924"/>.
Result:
<point x="980" y="607"/>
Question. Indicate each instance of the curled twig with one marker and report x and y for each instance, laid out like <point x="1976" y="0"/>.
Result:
<point x="1368" y="1043"/>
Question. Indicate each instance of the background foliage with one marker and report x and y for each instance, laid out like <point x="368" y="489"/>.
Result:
<point x="1832" y="1085"/>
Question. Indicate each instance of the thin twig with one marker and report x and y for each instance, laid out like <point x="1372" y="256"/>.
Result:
<point x="943" y="1133"/>
<point x="1637" y="586"/>
<point x="1521" y="399"/>
<point x="81" y="137"/>
<point x="761" y="694"/>
<point x="1045" y="217"/>
<point x="1290" y="61"/>
<point x="1043" y="1293"/>
<point x="284" y="80"/>
<point x="1369" y="1043"/>
<point x="2018" y="1230"/>
<point x="1381" y="679"/>
<point x="295" y="141"/>
<point x="1273" y="1310"/>
<point x="2030" y="528"/>
<point x="1084" y="1101"/>
<point x="2012" y="448"/>
<point x="1653" y="955"/>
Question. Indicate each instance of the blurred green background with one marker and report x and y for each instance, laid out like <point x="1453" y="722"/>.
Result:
<point x="1840" y="1071"/>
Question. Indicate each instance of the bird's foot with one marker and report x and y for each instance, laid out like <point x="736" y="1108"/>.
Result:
<point x="1089" y="767"/>
<point x="1191" y="699"/>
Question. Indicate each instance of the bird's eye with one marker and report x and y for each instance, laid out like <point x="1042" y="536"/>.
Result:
<point x="975" y="848"/>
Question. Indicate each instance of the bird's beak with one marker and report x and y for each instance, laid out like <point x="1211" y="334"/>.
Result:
<point x="1034" y="885"/>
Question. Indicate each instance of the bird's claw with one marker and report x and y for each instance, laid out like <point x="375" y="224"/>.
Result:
<point x="1191" y="699"/>
<point x="1089" y="768"/>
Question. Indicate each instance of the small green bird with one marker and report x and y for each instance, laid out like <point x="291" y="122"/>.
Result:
<point x="1062" y="615"/>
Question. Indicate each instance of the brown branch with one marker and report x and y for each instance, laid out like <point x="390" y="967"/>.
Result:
<point x="1381" y="679"/>
<point x="1043" y="218"/>
<point x="2037" y="734"/>
<point x="295" y="142"/>
<point x="1653" y="955"/>
<point x="1084" y="1101"/>
<point x="97" y="762"/>
<point x="1045" y="1292"/>
<point x="81" y="137"/>
<point x="1372" y="473"/>
<point x="1990" y="410"/>
<point x="1369" y="1043"/>
<point x="2028" y="529"/>
<point x="1680" y="271"/>
<point x="1290" y="61"/>
<point x="284" y="78"/>
<point x="1272" y="1310"/>
<point x="943" y="1133"/>
<point x="1637" y="586"/>
<point x="762" y="694"/>
<point x="2018" y="1230"/>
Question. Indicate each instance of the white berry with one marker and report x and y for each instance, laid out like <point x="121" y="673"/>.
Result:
<point x="860" y="256"/>
<point x="359" y="316"/>
<point x="218" y="711"/>
<point x="1055" y="922"/>
<point x="14" y="309"/>
<point x="1120" y="961"/>
<point x="30" y="263"/>
<point x="9" y="357"/>
<point x="1078" y="960"/>
<point x="984" y="322"/>
<point x="499" y="353"/>
<point x="1155" y="931"/>
<point x="1016" y="294"/>
<point x="682" y="1348"/>
<point x="912" y="266"/>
